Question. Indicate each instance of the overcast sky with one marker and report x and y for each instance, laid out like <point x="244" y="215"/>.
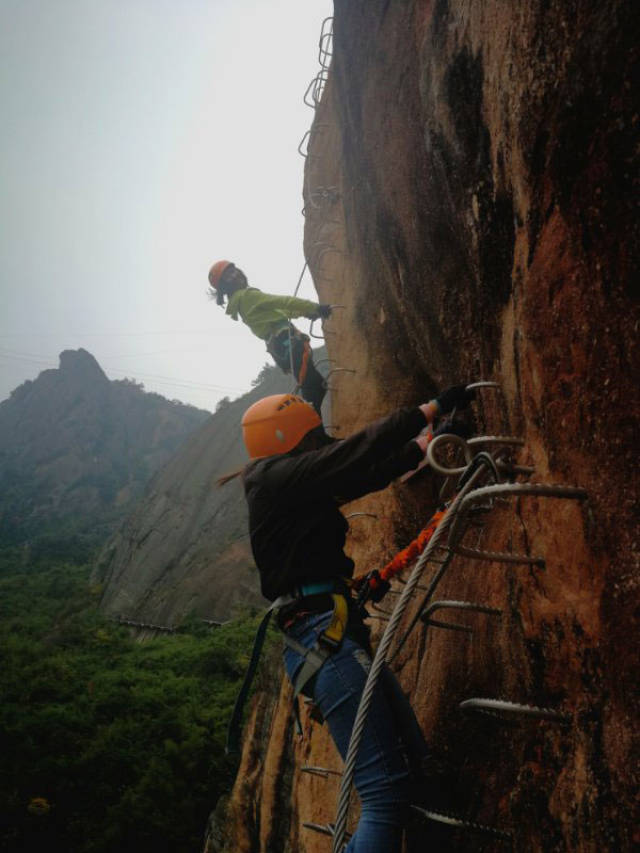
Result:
<point x="141" y="141"/>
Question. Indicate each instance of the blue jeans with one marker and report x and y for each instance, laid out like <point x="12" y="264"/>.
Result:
<point x="382" y="774"/>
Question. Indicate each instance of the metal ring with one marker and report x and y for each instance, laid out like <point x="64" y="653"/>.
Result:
<point x="450" y="438"/>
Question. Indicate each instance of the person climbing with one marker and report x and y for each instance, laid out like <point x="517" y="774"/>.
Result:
<point x="294" y="483"/>
<point x="269" y="318"/>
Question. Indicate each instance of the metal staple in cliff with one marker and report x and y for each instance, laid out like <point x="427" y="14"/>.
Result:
<point x="487" y="477"/>
<point x="320" y="198"/>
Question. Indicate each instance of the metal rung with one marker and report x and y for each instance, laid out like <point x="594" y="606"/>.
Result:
<point x="435" y="623"/>
<point x="467" y="446"/>
<point x="321" y="337"/>
<point x="320" y="771"/>
<point x="499" y="556"/>
<point x="507" y="440"/>
<point x="545" y="490"/>
<point x="325" y="250"/>
<point x="451" y="604"/>
<point x="339" y="370"/>
<point x="460" y="823"/>
<point x="507" y="468"/>
<point x="324" y="829"/>
<point x="403" y="582"/>
<point x="399" y="591"/>
<point x="326" y="35"/>
<point x="503" y="709"/>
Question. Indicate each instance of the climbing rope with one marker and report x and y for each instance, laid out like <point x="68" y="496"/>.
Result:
<point x="380" y="657"/>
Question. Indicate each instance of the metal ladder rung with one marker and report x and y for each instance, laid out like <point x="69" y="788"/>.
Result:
<point x="543" y="490"/>
<point x="503" y="709"/>
<point x="461" y="823"/>
<point x="499" y="556"/>
<point x="324" y="829"/>
<point x="451" y="604"/>
<point x="325" y="772"/>
<point x="436" y="623"/>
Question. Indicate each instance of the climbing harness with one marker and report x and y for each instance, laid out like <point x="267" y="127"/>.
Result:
<point x="281" y="344"/>
<point x="309" y="598"/>
<point x="328" y="642"/>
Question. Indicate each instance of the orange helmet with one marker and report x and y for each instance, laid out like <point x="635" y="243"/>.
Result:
<point x="215" y="273"/>
<point x="276" y="424"/>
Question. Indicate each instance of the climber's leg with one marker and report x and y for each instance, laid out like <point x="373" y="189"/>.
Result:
<point x="313" y="386"/>
<point x="382" y="777"/>
<point x="417" y="751"/>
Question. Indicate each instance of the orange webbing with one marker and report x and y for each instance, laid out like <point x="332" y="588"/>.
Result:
<point x="304" y="363"/>
<point x="405" y="557"/>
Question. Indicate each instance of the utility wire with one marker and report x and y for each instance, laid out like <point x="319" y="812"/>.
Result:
<point x="31" y="333"/>
<point x="174" y="381"/>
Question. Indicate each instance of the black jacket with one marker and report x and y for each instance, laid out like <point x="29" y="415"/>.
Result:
<point x="297" y="530"/>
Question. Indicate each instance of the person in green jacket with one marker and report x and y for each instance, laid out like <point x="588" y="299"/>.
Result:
<point x="269" y="318"/>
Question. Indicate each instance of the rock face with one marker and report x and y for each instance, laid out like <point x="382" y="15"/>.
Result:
<point x="76" y="450"/>
<point x="185" y="547"/>
<point x="481" y="223"/>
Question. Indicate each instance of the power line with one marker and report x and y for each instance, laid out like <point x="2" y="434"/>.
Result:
<point x="174" y="381"/>
<point x="31" y="333"/>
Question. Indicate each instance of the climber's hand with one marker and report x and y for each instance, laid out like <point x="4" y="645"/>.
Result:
<point x="376" y="595"/>
<point x="374" y="587"/>
<point x="453" y="427"/>
<point x="324" y="311"/>
<point x="456" y="397"/>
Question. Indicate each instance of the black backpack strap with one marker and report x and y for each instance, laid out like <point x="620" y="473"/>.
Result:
<point x="233" y="731"/>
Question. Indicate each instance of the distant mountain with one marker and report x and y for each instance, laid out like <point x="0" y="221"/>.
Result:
<point x="185" y="547"/>
<point x="76" y="451"/>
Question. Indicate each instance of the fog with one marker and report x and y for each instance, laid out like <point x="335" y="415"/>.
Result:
<point x="143" y="140"/>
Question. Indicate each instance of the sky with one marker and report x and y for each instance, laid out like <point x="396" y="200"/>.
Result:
<point x="141" y="141"/>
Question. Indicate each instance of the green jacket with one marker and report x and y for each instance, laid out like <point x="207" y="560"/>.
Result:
<point x="265" y="313"/>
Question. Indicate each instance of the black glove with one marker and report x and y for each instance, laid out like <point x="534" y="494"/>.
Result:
<point x="324" y="311"/>
<point x="453" y="427"/>
<point x="456" y="397"/>
<point x="366" y="592"/>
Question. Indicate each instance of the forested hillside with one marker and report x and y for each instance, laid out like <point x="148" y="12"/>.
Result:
<point x="108" y="744"/>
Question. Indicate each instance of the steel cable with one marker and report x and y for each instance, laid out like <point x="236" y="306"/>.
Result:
<point x="380" y="658"/>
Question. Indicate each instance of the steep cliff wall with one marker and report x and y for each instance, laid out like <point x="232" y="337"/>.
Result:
<point x="481" y="223"/>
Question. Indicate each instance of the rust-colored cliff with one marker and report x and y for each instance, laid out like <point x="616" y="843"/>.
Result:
<point x="482" y="224"/>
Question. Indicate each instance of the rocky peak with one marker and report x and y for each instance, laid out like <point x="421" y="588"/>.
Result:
<point x="80" y="366"/>
<point x="76" y="449"/>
